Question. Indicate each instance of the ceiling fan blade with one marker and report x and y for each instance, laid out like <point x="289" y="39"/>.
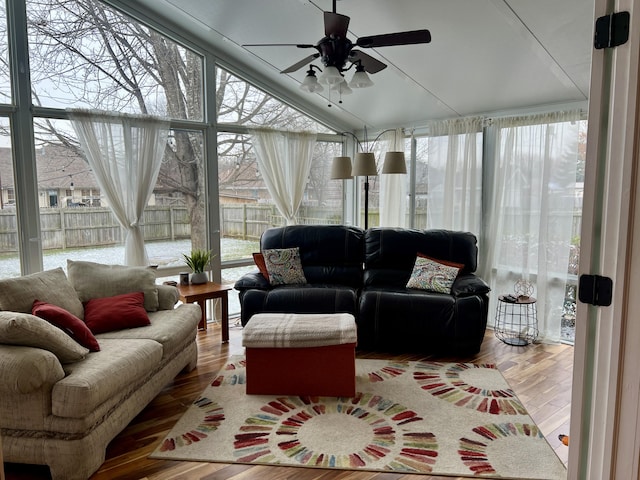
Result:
<point x="301" y="63"/>
<point x="335" y="25"/>
<point x="370" y="64"/>
<point x="299" y="45"/>
<point x="391" y="39"/>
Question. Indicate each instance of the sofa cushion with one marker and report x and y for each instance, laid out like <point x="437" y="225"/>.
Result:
<point x="433" y="276"/>
<point x="306" y="298"/>
<point x="330" y="254"/>
<point x="118" y="366"/>
<point x="407" y="320"/>
<point x="115" y="313"/>
<point x="68" y="322"/>
<point x="51" y="286"/>
<point x="171" y="328"/>
<point x="95" y="280"/>
<point x="28" y="330"/>
<point x="284" y="266"/>
<point x="390" y="253"/>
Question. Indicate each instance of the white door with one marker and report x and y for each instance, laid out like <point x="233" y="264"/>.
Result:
<point x="605" y="413"/>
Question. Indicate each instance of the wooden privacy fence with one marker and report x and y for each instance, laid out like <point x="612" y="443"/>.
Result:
<point x="80" y="227"/>
<point x="92" y="227"/>
<point x="248" y="221"/>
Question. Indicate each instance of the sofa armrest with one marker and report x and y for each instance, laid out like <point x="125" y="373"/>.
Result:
<point x="469" y="284"/>
<point x="26" y="369"/>
<point x="252" y="280"/>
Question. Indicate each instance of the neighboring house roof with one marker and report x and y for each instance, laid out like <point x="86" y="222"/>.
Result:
<point x="57" y="167"/>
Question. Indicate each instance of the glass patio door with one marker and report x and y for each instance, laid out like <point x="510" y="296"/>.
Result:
<point x="605" y="413"/>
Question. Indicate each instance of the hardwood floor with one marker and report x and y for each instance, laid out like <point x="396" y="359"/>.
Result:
<point x="539" y="374"/>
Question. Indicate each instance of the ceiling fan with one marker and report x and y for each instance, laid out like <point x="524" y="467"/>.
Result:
<point x="335" y="50"/>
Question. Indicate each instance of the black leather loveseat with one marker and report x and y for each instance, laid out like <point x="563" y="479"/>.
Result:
<point x="365" y="273"/>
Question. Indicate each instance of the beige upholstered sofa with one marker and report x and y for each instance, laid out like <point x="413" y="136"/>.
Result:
<point x="60" y="404"/>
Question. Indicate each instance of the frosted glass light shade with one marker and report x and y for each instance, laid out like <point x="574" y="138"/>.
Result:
<point x="364" y="165"/>
<point x="331" y="76"/>
<point x="341" y="168"/>
<point x="360" y="80"/>
<point x="342" y="88"/>
<point x="394" y="163"/>
<point x="310" y="84"/>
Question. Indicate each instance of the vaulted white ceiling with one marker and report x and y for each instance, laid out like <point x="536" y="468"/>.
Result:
<point x="485" y="56"/>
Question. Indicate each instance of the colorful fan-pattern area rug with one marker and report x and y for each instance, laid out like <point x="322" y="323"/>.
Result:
<point x="458" y="419"/>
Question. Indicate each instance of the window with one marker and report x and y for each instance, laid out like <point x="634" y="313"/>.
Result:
<point x="240" y="103"/>
<point x="85" y="54"/>
<point x="245" y="205"/>
<point x="449" y="176"/>
<point x="532" y="231"/>
<point x="77" y="223"/>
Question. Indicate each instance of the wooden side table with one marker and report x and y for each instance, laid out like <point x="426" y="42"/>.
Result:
<point x="202" y="292"/>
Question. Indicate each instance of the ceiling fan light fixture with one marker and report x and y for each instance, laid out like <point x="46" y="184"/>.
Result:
<point x="310" y="83"/>
<point x="331" y="76"/>
<point x="360" y="79"/>
<point x="335" y="50"/>
<point x="342" y="88"/>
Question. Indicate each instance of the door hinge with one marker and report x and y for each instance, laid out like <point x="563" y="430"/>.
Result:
<point x="595" y="290"/>
<point x="611" y="30"/>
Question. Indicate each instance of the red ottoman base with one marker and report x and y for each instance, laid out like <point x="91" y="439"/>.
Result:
<point x="328" y="371"/>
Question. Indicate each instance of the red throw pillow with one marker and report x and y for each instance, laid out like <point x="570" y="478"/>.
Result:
<point x="258" y="258"/>
<point x="67" y="322"/>
<point x="116" y="313"/>
<point x="444" y="262"/>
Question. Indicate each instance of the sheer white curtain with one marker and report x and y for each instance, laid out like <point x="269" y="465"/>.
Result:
<point x="393" y="187"/>
<point x="454" y="156"/>
<point x="530" y="213"/>
<point x="125" y="153"/>
<point x="284" y="160"/>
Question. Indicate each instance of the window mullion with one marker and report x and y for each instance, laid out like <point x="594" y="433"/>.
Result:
<point x="23" y="148"/>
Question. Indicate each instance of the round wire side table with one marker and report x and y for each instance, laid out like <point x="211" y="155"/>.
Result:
<point x="516" y="320"/>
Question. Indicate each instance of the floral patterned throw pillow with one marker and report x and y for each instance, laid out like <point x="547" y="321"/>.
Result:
<point x="284" y="266"/>
<point x="431" y="275"/>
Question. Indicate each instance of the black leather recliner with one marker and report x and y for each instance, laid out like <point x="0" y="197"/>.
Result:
<point x="393" y="317"/>
<point x="332" y="260"/>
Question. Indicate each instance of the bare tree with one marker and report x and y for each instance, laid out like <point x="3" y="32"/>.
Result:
<point x="85" y="54"/>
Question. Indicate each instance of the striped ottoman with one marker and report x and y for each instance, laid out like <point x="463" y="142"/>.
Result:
<point x="301" y="354"/>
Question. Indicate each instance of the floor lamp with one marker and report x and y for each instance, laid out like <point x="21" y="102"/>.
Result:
<point x="364" y="165"/>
